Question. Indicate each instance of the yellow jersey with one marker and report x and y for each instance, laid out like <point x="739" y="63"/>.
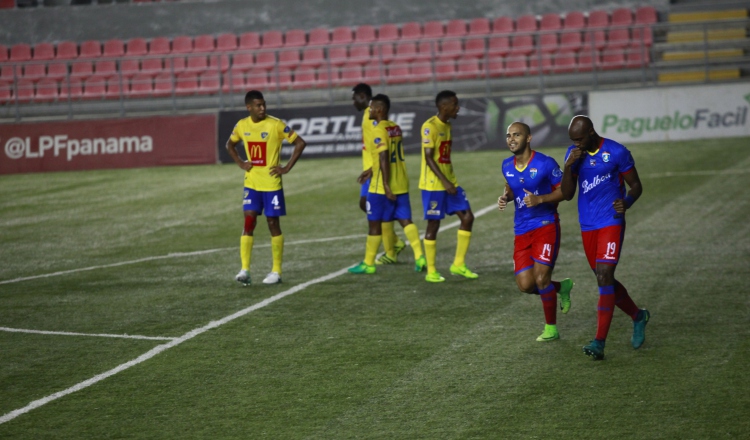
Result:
<point x="262" y="142"/>
<point x="436" y="134"/>
<point x="367" y="127"/>
<point x="387" y="137"/>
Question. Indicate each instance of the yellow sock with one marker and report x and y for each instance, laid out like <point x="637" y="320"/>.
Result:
<point x="373" y="243"/>
<point x="462" y="246"/>
<point x="389" y="239"/>
<point x="412" y="234"/>
<point x="277" y="249"/>
<point x="246" y="250"/>
<point x="429" y="253"/>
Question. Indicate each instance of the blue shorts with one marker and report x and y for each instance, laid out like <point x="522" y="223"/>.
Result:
<point x="438" y="203"/>
<point x="379" y="208"/>
<point x="272" y="201"/>
<point x="364" y="189"/>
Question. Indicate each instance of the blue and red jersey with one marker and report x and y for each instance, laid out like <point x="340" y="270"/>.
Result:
<point x="541" y="176"/>
<point x="600" y="183"/>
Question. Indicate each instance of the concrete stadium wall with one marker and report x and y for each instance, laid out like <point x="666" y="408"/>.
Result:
<point x="102" y="22"/>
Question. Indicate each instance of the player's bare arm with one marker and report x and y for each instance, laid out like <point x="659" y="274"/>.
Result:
<point x="385" y="169"/>
<point x="430" y="161"/>
<point x="299" y="146"/>
<point x="531" y="199"/>
<point x="502" y="201"/>
<point x="232" y="150"/>
<point x="636" y="189"/>
<point x="366" y="174"/>
<point x="568" y="184"/>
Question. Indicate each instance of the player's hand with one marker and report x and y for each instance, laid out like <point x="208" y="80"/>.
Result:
<point x="450" y="188"/>
<point x="364" y="176"/>
<point x="575" y="155"/>
<point x="278" y="171"/>
<point x="531" y="200"/>
<point x="389" y="195"/>
<point x="246" y="165"/>
<point x="502" y="202"/>
<point x="619" y="205"/>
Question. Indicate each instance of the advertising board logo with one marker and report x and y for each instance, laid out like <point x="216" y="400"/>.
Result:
<point x="15" y="147"/>
<point x="60" y="145"/>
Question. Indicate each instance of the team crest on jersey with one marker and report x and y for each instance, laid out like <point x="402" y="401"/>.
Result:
<point x="264" y="135"/>
<point x="287" y="129"/>
<point x="520" y="179"/>
<point x="426" y="131"/>
<point x="557" y="172"/>
<point x="605" y="156"/>
<point x="592" y="162"/>
<point x="532" y="173"/>
<point x="374" y="123"/>
<point x="377" y="141"/>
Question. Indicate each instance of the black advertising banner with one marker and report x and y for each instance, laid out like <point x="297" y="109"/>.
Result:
<point x="335" y="130"/>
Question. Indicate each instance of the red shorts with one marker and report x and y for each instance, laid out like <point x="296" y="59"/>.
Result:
<point x="538" y="246"/>
<point x="603" y="245"/>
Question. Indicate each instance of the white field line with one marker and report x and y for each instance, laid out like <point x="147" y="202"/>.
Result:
<point x="190" y="335"/>
<point x="172" y="255"/>
<point x="101" y="335"/>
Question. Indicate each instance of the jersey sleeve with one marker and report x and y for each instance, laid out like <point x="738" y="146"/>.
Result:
<point x="236" y="134"/>
<point x="626" y="162"/>
<point x="555" y="173"/>
<point x="286" y="132"/>
<point x="429" y="136"/>
<point x="379" y="139"/>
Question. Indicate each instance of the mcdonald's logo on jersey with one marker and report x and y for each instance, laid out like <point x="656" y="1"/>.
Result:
<point x="257" y="153"/>
<point x="445" y="152"/>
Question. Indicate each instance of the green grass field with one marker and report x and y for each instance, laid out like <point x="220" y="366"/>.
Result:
<point x="382" y="356"/>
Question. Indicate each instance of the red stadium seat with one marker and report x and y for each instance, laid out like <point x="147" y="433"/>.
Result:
<point x="594" y="38"/>
<point x="445" y="69"/>
<point x="174" y="65"/>
<point x="289" y="58"/>
<point x="24" y="90"/>
<point x="47" y="90"/>
<point x="304" y="78"/>
<point x="244" y="61"/>
<point x="479" y="26"/>
<point x="9" y="72"/>
<point x="574" y="20"/>
<point x="516" y="65"/>
<point x="257" y="79"/>
<point x="71" y="89"/>
<point x="613" y="59"/>
<point x="503" y="25"/>
<point x="537" y="59"/>
<point x="565" y="61"/>
<point x="204" y="44"/>
<point x="182" y="44"/>
<point x="646" y="15"/>
<point x="94" y="87"/>
<point x="548" y="42"/>
<point x="141" y="86"/>
<point x="91" y="49"/>
<point x="282" y="77"/>
<point x="475" y="47"/>
<point x="163" y="85"/>
<point x="196" y="64"/>
<point x="421" y="71"/>
<point x="342" y="35"/>
<point x="405" y="51"/>
<point x="136" y="47"/>
<point x="159" y="46"/>
<point x="152" y="66"/>
<point x="550" y="22"/>
<point x="129" y="67"/>
<point x="388" y="32"/>
<point x="521" y="45"/>
<point x="321" y="37"/>
<point x="365" y="34"/>
<point x="209" y="83"/>
<point x="233" y="81"/>
<point x="313" y="57"/>
<point x="455" y="28"/>
<point x="6" y="92"/>
<point x="337" y="55"/>
<point x="618" y="38"/>
<point x="433" y="29"/>
<point x="42" y="52"/>
<point x="295" y="38"/>
<point x="373" y="74"/>
<point x="527" y="23"/>
<point x="227" y="42"/>
<point x="427" y="50"/>
<point x="398" y="73"/>
<point x="67" y="50"/>
<point x="34" y="72"/>
<point x="410" y="31"/>
<point x="468" y="68"/>
<point x="622" y="17"/>
<point x="265" y="60"/>
<point x="250" y="41"/>
<point x="637" y="57"/>
<point x="360" y="54"/>
<point x="571" y="40"/>
<point x="588" y="60"/>
<point x="105" y="68"/>
<point x="328" y="78"/>
<point x="115" y="88"/>
<point x="642" y="36"/>
<point x="272" y="40"/>
<point x="495" y="67"/>
<point x="351" y="75"/>
<point x="451" y="48"/>
<point x="499" y="46"/>
<point x="3" y="53"/>
<point x="598" y="19"/>
<point x="82" y="69"/>
<point x="383" y="52"/>
<point x="186" y="84"/>
<point x="114" y="48"/>
<point x="20" y="52"/>
<point x="57" y="71"/>
<point x="219" y="63"/>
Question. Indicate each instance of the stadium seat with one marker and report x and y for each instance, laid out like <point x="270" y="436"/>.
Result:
<point x="82" y="69"/>
<point x="598" y="19"/>
<point x="282" y="77"/>
<point x="499" y="46"/>
<point x="34" y="72"/>
<point x="233" y="81"/>
<point x="135" y="47"/>
<point x="618" y="38"/>
<point x="24" y="90"/>
<point x="445" y="69"/>
<point x="3" y="53"/>
<point x="360" y="54"/>
<point x="209" y="83"/>
<point x="219" y="63"/>
<point x="105" y="68"/>
<point x="521" y="45"/>
<point x="66" y="50"/>
<point x="114" y="88"/>
<point x="328" y="78"/>
<point x="57" y="71"/>
<point x="42" y="52"/>
<point x="6" y="92"/>
<point x="410" y="31"/>
<point x="8" y="72"/>
<point x="550" y="22"/>
<point x="350" y="75"/>
<point x="321" y="37"/>
<point x="342" y="35"/>
<point x="257" y="79"/>
<point x="426" y="50"/>
<point x="152" y="66"/>
<point x="543" y="59"/>
<point x="571" y="40"/>
<point x="249" y="41"/>
<point x="295" y="38"/>
<point x="163" y="85"/>
<point x="646" y="15"/>
<point x="265" y="60"/>
<point x="304" y="78"/>
<point x="574" y="20"/>
<point x="114" y="48"/>
<point x="398" y="73"/>
<point x="494" y="66"/>
<point x="141" y="86"/>
<point x="272" y="40"/>
<point x="94" y="87"/>
<point x="565" y="61"/>
<point x="503" y="25"/>
<point x="204" y="44"/>
<point x="479" y="26"/>
<point x="622" y="17"/>
<point x="244" y="61"/>
<point x="642" y="35"/>
<point x="383" y="53"/>
<point x="455" y="28"/>
<point x="71" y="89"/>
<point x="421" y="71"/>
<point x="227" y="42"/>
<point x="594" y="38"/>
<point x="433" y="29"/>
<point x="388" y="32"/>
<point x="313" y="57"/>
<point x="159" y="46"/>
<point x="516" y="65"/>
<point x="289" y="58"/>
<point x="613" y="59"/>
<point x="365" y="34"/>
<point x="468" y="68"/>
<point x="174" y="65"/>
<point x="475" y="47"/>
<point x="20" y="52"/>
<point x="337" y="55"/>
<point x="527" y="23"/>
<point x="90" y="49"/>
<point x="186" y="84"/>
<point x="47" y="90"/>
<point x="548" y="42"/>
<point x="588" y="60"/>
<point x="196" y="64"/>
<point x="451" y="48"/>
<point x="373" y="73"/>
<point x="405" y="51"/>
<point x="182" y="44"/>
<point x="129" y="67"/>
<point x="637" y="57"/>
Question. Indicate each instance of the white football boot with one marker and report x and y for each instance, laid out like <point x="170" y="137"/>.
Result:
<point x="272" y="278"/>
<point x="243" y="278"/>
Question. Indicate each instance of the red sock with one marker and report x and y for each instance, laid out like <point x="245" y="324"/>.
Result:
<point x="604" y="311"/>
<point x="549" y="303"/>
<point x="624" y="302"/>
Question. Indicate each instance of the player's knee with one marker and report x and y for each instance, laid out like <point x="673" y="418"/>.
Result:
<point x="526" y="286"/>
<point x="250" y="222"/>
<point x="604" y="276"/>
<point x="468" y="220"/>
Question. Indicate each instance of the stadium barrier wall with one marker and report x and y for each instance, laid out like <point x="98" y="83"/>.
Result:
<point x="101" y="144"/>
<point x="675" y="113"/>
<point x="332" y="131"/>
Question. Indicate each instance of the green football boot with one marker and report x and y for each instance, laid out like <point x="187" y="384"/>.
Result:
<point x="420" y="264"/>
<point x="463" y="271"/>
<point x="550" y="333"/>
<point x="434" y="277"/>
<point x="566" y="286"/>
<point x="362" y="268"/>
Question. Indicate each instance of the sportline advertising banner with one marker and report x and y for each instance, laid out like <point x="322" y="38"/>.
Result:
<point x="115" y="143"/>
<point x="336" y="130"/>
<point x="672" y="113"/>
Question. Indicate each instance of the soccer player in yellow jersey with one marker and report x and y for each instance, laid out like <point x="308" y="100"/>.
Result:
<point x="361" y="96"/>
<point x="440" y="191"/>
<point x="388" y="195"/>
<point x="261" y="137"/>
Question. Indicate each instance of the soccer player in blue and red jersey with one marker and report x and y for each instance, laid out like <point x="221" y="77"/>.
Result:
<point x="602" y="167"/>
<point x="533" y="186"/>
<point x="261" y="136"/>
